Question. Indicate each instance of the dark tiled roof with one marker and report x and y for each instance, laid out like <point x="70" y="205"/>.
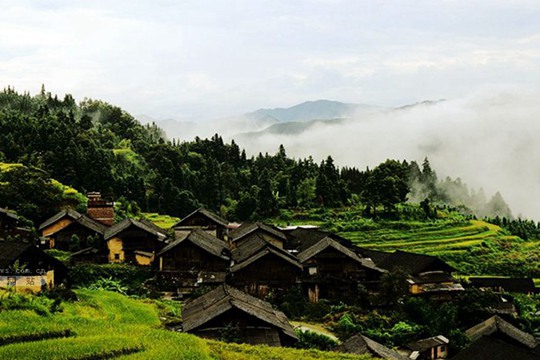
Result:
<point x="9" y="214"/>
<point x="205" y="241"/>
<point x="248" y="228"/>
<point x="79" y="218"/>
<point x="489" y="348"/>
<point x="68" y="212"/>
<point x="377" y="256"/>
<point x="302" y="238"/>
<point x="496" y="324"/>
<point x="360" y="344"/>
<point x="255" y="247"/>
<point x="201" y="310"/>
<point x="521" y="285"/>
<point x="10" y="251"/>
<point x="126" y="223"/>
<point x="207" y="213"/>
<point x="428" y="343"/>
<point x="413" y="264"/>
<point x="328" y="242"/>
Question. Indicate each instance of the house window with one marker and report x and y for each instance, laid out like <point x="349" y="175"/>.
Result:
<point x="312" y="270"/>
<point x="116" y="256"/>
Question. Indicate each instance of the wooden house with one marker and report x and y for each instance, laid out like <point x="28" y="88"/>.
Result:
<point x="497" y="339"/>
<point x="502" y="285"/>
<point x="300" y="238"/>
<point x="59" y="231"/>
<point x="204" y="220"/>
<point x="99" y="209"/>
<point x="259" y="266"/>
<point x="433" y="348"/>
<point x="135" y="242"/>
<point x="427" y="275"/>
<point x="10" y="226"/>
<point x="226" y="313"/>
<point x="23" y="266"/>
<point x="196" y="259"/>
<point x="362" y="345"/>
<point x="269" y="233"/>
<point x="332" y="271"/>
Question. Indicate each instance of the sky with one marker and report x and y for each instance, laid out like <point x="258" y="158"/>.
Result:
<point x="203" y="59"/>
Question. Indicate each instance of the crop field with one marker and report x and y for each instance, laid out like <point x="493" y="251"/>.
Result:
<point x="163" y="221"/>
<point x="107" y="325"/>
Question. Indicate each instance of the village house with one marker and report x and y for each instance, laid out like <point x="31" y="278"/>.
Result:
<point x="299" y="238"/>
<point x="333" y="271"/>
<point x="61" y="230"/>
<point x="23" y="266"/>
<point x="433" y="348"/>
<point x="269" y="233"/>
<point x="9" y="222"/>
<point x="259" y="266"/>
<point x="135" y="242"/>
<point x="204" y="220"/>
<point x="362" y="345"/>
<point x="502" y="285"/>
<point x="195" y="259"/>
<point x="497" y="339"/>
<point x="426" y="275"/>
<point x="226" y="313"/>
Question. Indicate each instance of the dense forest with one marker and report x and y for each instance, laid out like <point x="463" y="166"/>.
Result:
<point x="95" y="146"/>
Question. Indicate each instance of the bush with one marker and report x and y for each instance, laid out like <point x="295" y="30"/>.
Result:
<point x="312" y="340"/>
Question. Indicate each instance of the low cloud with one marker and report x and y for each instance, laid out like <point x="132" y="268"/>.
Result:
<point x="489" y="140"/>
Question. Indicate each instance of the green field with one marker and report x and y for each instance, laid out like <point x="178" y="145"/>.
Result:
<point x="163" y="221"/>
<point x="106" y="325"/>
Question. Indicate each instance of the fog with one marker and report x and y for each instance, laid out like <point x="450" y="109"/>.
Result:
<point x="488" y="139"/>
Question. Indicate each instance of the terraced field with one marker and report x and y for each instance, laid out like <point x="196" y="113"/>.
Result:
<point x="106" y="325"/>
<point x="429" y="237"/>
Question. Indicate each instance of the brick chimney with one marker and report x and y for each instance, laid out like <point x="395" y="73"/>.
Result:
<point x="99" y="209"/>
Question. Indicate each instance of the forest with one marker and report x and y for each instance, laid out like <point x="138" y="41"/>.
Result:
<point x="96" y="146"/>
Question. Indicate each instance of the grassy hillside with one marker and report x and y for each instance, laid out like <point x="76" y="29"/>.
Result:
<point x="109" y="325"/>
<point x="474" y="247"/>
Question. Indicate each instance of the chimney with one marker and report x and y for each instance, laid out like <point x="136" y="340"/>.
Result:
<point x="99" y="209"/>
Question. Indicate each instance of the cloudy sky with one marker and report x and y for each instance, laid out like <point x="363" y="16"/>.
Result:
<point x="199" y="59"/>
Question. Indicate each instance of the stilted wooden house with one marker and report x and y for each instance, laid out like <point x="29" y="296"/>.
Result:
<point x="427" y="275"/>
<point x="259" y="266"/>
<point x="362" y="345"/>
<point x="59" y="231"/>
<point x="497" y="339"/>
<point x="433" y="348"/>
<point x="10" y="225"/>
<point x="226" y="313"/>
<point x="204" y="220"/>
<point x="134" y="242"/>
<point x="196" y="259"/>
<point x="23" y="266"/>
<point x="332" y="271"/>
<point x="268" y="232"/>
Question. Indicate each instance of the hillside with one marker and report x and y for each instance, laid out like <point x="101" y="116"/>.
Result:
<point x="106" y="325"/>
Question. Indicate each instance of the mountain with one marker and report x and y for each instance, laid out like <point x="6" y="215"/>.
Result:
<point x="309" y="110"/>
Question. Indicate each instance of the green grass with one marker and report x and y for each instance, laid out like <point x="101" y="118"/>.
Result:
<point x="163" y="221"/>
<point x="103" y="324"/>
<point x="9" y="166"/>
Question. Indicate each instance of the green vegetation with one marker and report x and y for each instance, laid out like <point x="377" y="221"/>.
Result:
<point x="104" y="324"/>
<point x="163" y="221"/>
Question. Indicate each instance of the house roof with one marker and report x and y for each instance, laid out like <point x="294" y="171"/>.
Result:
<point x="85" y="251"/>
<point x="202" y="239"/>
<point x="496" y="324"/>
<point x="207" y="213"/>
<point x="126" y="223"/>
<point x="255" y="247"/>
<point x="489" y="348"/>
<point x="328" y="242"/>
<point x="248" y="228"/>
<point x="9" y="214"/>
<point x="360" y="344"/>
<point x="10" y="251"/>
<point x="424" y="344"/>
<point x="521" y="285"/>
<point x="303" y="238"/>
<point x="413" y="263"/>
<point x="199" y="311"/>
<point x="79" y="218"/>
<point x="377" y="256"/>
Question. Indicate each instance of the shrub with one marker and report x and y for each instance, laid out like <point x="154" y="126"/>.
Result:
<point x="311" y="340"/>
